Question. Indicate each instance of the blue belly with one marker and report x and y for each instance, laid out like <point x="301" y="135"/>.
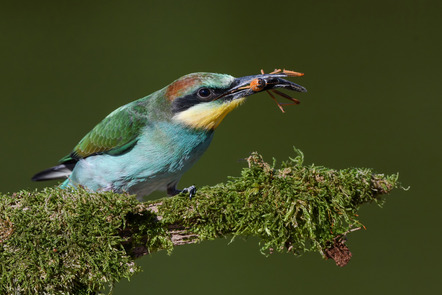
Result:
<point x="160" y="157"/>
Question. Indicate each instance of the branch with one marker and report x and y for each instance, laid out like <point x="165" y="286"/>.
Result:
<point x="60" y="241"/>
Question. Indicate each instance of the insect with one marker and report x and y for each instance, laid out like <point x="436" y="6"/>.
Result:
<point x="258" y="84"/>
<point x="282" y="94"/>
<point x="269" y="83"/>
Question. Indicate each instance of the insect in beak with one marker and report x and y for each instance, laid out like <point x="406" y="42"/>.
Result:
<point x="249" y="85"/>
<point x="259" y="84"/>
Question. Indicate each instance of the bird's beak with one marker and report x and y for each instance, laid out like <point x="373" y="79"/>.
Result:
<point x="248" y="85"/>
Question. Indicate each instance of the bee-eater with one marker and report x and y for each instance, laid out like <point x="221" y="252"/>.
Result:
<point x="148" y="144"/>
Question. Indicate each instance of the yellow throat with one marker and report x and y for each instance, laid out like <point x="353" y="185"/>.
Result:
<point x="207" y="115"/>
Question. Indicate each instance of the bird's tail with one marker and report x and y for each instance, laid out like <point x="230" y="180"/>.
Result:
<point x="56" y="172"/>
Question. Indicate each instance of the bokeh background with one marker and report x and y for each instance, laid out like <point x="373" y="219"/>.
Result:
<point x="373" y="71"/>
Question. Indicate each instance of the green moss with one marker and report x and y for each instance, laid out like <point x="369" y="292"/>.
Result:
<point x="296" y="208"/>
<point x="63" y="241"/>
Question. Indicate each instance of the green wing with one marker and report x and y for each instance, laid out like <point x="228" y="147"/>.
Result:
<point x="117" y="133"/>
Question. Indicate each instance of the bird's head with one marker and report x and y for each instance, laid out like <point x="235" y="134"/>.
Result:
<point x="202" y="100"/>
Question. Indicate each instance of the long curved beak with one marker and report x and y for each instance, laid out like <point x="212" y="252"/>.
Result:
<point x="249" y="85"/>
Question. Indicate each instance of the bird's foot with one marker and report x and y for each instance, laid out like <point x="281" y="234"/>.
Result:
<point x="191" y="190"/>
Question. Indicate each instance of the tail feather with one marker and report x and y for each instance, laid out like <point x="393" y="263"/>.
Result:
<point x="56" y="172"/>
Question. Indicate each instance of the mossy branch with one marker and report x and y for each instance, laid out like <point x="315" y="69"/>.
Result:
<point x="61" y="241"/>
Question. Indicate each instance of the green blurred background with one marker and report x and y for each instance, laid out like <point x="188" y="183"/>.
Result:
<point x="373" y="71"/>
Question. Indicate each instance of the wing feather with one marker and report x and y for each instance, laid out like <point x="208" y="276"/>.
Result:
<point x="115" y="134"/>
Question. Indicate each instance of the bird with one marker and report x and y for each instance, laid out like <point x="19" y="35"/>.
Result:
<point x="148" y="144"/>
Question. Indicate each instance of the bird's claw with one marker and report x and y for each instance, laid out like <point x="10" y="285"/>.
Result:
<point x="191" y="190"/>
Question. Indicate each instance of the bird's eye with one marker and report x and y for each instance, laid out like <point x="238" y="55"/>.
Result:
<point x="204" y="92"/>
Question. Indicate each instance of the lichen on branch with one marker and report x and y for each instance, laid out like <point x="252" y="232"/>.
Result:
<point x="66" y="241"/>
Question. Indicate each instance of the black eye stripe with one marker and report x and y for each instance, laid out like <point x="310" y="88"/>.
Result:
<point x="185" y="102"/>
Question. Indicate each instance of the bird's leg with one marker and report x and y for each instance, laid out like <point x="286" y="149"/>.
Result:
<point x="172" y="191"/>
